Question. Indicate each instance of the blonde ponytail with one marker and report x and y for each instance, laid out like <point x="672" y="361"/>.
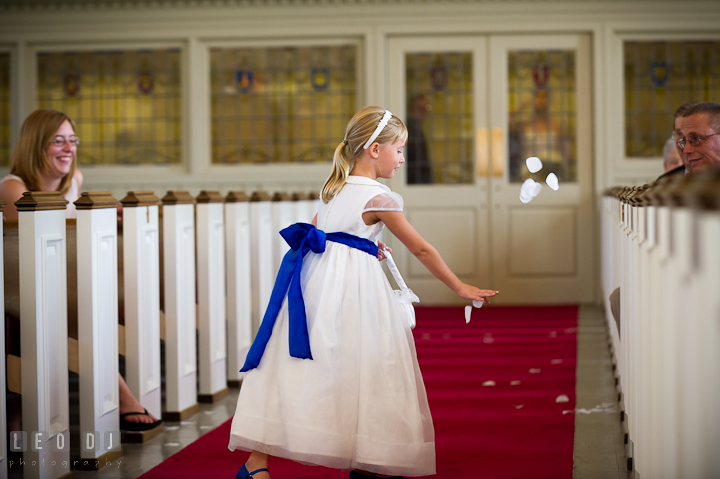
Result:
<point x="343" y="163"/>
<point x="358" y="132"/>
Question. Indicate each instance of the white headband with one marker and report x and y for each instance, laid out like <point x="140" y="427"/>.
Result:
<point x="379" y="128"/>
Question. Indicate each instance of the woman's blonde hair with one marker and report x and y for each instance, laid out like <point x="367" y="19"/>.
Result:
<point x="358" y="132"/>
<point x="29" y="159"/>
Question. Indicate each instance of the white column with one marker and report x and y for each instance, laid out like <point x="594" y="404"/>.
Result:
<point x="180" y="309"/>
<point x="141" y="269"/>
<point x="97" y="289"/>
<point x="212" y="337"/>
<point x="239" y="292"/>
<point x="3" y="416"/>
<point x="43" y="333"/>
<point x="282" y="217"/>
<point x="261" y="231"/>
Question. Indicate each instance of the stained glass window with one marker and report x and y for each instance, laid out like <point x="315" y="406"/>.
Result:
<point x="439" y="90"/>
<point x="5" y="109"/>
<point x="281" y="104"/>
<point x="659" y="77"/>
<point x="541" y="112"/>
<point x="126" y="104"/>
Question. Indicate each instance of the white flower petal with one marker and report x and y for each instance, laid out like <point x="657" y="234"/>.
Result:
<point x="534" y="164"/>
<point x="552" y="181"/>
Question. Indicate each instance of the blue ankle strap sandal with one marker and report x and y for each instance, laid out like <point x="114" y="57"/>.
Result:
<point x="244" y="474"/>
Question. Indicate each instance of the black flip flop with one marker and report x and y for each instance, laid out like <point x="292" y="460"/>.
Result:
<point x="137" y="426"/>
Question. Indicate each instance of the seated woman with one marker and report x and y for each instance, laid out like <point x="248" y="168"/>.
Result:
<point x="45" y="159"/>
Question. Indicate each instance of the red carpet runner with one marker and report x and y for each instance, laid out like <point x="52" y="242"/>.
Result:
<point x="497" y="389"/>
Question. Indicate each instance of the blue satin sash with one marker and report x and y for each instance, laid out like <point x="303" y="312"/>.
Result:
<point x="302" y="238"/>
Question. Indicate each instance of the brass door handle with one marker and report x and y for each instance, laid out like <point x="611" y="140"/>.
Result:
<point x="482" y="154"/>
<point x="498" y="153"/>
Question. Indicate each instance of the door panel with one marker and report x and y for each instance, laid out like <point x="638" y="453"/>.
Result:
<point x="540" y="90"/>
<point x="476" y="107"/>
<point x="438" y="87"/>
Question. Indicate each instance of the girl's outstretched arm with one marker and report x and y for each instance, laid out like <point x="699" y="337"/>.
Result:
<point x="427" y="254"/>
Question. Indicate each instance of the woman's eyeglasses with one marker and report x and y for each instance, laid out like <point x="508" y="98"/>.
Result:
<point x="60" y="141"/>
<point x="694" y="141"/>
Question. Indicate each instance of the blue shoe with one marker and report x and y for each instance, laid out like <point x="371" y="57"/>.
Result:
<point x="357" y="475"/>
<point x="244" y="474"/>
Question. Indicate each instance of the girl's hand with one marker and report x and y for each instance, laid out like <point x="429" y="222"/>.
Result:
<point x="468" y="291"/>
<point x="381" y="247"/>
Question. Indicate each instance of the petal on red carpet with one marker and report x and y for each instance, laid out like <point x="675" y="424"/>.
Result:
<point x="497" y="389"/>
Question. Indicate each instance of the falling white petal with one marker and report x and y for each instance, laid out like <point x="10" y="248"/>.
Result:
<point x="519" y="406"/>
<point x="556" y="361"/>
<point x="468" y="310"/>
<point x="489" y="383"/>
<point x="562" y="398"/>
<point x="534" y="164"/>
<point x="478" y="304"/>
<point x="536" y="189"/>
<point x="534" y="370"/>
<point x="553" y="334"/>
<point x="552" y="181"/>
<point x="515" y="383"/>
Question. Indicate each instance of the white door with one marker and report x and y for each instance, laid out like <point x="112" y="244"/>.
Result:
<point x="482" y="105"/>
<point x="438" y="86"/>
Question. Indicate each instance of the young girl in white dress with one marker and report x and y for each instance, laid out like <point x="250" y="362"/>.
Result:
<point x="332" y="377"/>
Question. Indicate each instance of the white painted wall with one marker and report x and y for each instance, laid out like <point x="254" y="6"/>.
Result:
<point x="26" y="26"/>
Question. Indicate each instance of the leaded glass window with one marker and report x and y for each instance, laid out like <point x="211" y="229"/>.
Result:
<point x="281" y="104"/>
<point x="5" y="109"/>
<point x="541" y="112"/>
<point x="440" y="112"/>
<point x="126" y="104"/>
<point x="659" y="77"/>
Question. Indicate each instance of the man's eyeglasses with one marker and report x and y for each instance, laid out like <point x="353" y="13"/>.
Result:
<point x="60" y="141"/>
<point x="694" y="141"/>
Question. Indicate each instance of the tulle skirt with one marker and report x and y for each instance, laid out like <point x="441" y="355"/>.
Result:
<point x="360" y="403"/>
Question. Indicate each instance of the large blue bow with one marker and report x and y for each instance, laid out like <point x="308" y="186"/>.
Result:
<point x="302" y="238"/>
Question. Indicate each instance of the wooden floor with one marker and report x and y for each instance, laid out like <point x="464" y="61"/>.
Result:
<point x="599" y="450"/>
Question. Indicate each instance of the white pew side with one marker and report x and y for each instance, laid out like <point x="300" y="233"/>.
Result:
<point x="179" y="306"/>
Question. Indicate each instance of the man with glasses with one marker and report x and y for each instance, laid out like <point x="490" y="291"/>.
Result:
<point x="700" y="140"/>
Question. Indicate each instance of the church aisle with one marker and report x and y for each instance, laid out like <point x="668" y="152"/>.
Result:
<point x="492" y="437"/>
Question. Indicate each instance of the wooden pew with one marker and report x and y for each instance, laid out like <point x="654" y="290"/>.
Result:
<point x="3" y="417"/>
<point x="178" y="226"/>
<point x="660" y="246"/>
<point x="141" y="280"/>
<point x="97" y="319"/>
<point x="283" y="215"/>
<point x="261" y="245"/>
<point x="43" y="333"/>
<point x="239" y="293"/>
<point x="212" y="336"/>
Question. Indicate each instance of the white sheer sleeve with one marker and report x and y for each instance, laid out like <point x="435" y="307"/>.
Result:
<point x="385" y="202"/>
